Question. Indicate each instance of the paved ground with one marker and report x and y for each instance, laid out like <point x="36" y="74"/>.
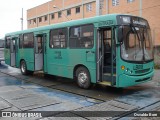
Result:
<point x="37" y="93"/>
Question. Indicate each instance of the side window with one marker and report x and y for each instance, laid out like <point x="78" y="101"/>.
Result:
<point x="82" y="36"/>
<point x="39" y="44"/>
<point x="58" y="38"/>
<point x="20" y="41"/>
<point x="7" y="43"/>
<point x="28" y="40"/>
<point x="13" y="45"/>
<point x="107" y="40"/>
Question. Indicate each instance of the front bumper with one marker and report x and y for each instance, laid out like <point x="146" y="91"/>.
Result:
<point x="126" y="80"/>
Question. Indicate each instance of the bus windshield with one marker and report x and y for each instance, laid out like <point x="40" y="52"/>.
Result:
<point x="137" y="43"/>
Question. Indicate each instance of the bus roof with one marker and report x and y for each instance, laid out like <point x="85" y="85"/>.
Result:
<point x="68" y="24"/>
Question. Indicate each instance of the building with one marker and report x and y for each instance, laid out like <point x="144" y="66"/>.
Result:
<point x="57" y="11"/>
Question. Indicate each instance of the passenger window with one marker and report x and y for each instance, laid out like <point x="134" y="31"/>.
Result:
<point x="12" y="42"/>
<point x="28" y="40"/>
<point x="39" y="44"/>
<point x="20" y="41"/>
<point x="8" y="40"/>
<point x="58" y="38"/>
<point x="81" y="36"/>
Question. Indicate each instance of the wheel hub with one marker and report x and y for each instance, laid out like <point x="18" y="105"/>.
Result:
<point x="82" y="77"/>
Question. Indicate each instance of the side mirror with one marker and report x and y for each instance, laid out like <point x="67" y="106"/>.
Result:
<point x="120" y="34"/>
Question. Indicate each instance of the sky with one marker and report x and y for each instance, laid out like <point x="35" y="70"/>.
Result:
<point x="11" y="14"/>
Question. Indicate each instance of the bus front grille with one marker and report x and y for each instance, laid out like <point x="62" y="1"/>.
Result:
<point x="141" y="80"/>
<point x="142" y="71"/>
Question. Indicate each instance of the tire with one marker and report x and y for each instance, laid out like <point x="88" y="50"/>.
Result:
<point x="83" y="78"/>
<point x="23" y="68"/>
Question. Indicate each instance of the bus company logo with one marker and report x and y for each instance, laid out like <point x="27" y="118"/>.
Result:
<point x="6" y="114"/>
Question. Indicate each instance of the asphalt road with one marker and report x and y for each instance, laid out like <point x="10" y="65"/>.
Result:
<point x="38" y="93"/>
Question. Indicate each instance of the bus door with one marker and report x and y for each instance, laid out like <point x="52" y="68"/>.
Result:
<point x="38" y="52"/>
<point x="99" y="56"/>
<point x="13" y="43"/>
<point x="45" y="52"/>
<point x="106" y="61"/>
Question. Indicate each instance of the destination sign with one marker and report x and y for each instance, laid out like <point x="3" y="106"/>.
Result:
<point x="105" y="23"/>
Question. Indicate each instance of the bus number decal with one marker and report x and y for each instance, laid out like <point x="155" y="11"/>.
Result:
<point x="58" y="55"/>
<point x="137" y="67"/>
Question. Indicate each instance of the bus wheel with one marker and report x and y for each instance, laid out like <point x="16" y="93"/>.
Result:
<point x="23" y="68"/>
<point x="83" y="77"/>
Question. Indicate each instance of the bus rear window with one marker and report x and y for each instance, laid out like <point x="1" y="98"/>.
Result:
<point x="81" y="36"/>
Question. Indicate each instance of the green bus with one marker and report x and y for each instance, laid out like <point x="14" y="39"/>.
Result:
<point x="114" y="50"/>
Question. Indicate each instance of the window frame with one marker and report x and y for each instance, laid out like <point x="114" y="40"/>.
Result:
<point x="130" y="1"/>
<point x="52" y="16"/>
<point x="59" y="14"/>
<point x="68" y="10"/>
<point x="30" y="22"/>
<point x="45" y="18"/>
<point x="81" y="37"/>
<point x="79" y="8"/>
<point x="39" y="19"/>
<point x="89" y="7"/>
<point x="115" y="2"/>
<point x="34" y="21"/>
<point x="66" y="39"/>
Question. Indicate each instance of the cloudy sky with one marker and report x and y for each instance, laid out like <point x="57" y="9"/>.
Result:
<point x="11" y="12"/>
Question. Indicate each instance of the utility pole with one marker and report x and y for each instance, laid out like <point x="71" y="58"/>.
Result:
<point x="83" y="9"/>
<point x="22" y="20"/>
<point x="97" y="7"/>
<point x="140" y="8"/>
<point x="107" y="7"/>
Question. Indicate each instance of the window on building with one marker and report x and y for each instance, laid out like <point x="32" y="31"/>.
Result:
<point x="59" y="14"/>
<point x="115" y="2"/>
<point x="77" y="9"/>
<point x="81" y="36"/>
<point x="101" y="4"/>
<point x="69" y="12"/>
<point x="88" y="7"/>
<point x="28" y="40"/>
<point x="40" y="19"/>
<point x="45" y="18"/>
<point x="29" y="21"/>
<point x="129" y="1"/>
<point x="59" y="38"/>
<point x="52" y="16"/>
<point x="34" y="21"/>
